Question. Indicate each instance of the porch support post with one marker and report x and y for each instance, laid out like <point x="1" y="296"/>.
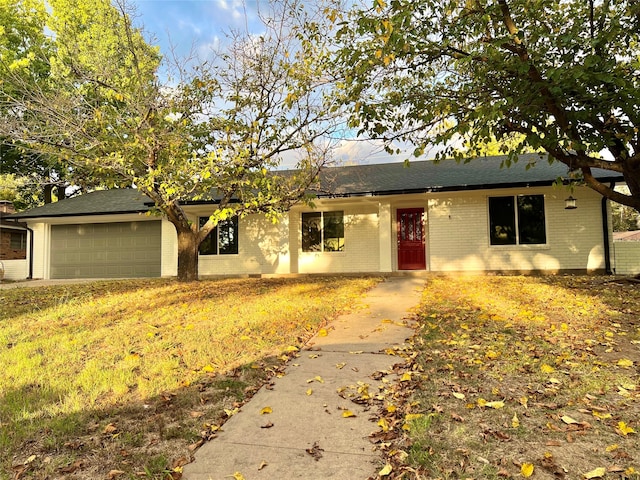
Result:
<point x="385" y="235"/>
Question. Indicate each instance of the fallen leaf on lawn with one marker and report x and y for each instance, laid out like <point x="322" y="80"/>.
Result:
<point x="383" y="424"/>
<point x="612" y="448"/>
<point x="386" y="470"/>
<point x="459" y="396"/>
<point x="568" y="420"/>
<point x="114" y="473"/>
<point x="498" y="404"/>
<point x="231" y="413"/>
<point x="625" y="363"/>
<point x="406" y="377"/>
<point x="266" y="410"/>
<point x="245" y="337"/>
<point x="207" y="369"/>
<point x="348" y="414"/>
<point x="196" y="414"/>
<point x="595" y="473"/>
<point x="515" y="421"/>
<point x="623" y="429"/>
<point x="526" y="470"/>
<point x="524" y="401"/>
<point x="110" y="428"/>
<point x="547" y="368"/>
<point x="291" y="348"/>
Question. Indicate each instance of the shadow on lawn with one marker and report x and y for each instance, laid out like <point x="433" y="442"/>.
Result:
<point x="150" y="438"/>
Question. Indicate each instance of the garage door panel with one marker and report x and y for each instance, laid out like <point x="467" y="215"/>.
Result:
<point x="110" y="250"/>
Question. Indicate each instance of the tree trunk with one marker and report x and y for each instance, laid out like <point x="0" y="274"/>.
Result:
<point x="187" y="256"/>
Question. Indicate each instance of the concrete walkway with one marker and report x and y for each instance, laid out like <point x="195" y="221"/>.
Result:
<point x="309" y="437"/>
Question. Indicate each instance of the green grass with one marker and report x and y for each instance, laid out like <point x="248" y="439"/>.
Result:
<point x="143" y="356"/>
<point x="542" y="349"/>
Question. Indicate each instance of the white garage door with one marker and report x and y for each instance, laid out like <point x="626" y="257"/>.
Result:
<point x="106" y="250"/>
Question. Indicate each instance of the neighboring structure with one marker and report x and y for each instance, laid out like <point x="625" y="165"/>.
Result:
<point x="13" y="245"/>
<point x="445" y="217"/>
<point x="626" y="252"/>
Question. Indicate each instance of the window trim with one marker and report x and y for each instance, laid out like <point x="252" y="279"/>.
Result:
<point x="516" y="214"/>
<point x="322" y="242"/>
<point x="216" y="232"/>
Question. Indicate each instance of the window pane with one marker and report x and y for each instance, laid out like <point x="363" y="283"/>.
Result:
<point x="531" y="224"/>
<point x="312" y="232"/>
<point x="18" y="241"/>
<point x="333" y="231"/>
<point x="502" y="221"/>
<point x="228" y="239"/>
<point x="209" y="245"/>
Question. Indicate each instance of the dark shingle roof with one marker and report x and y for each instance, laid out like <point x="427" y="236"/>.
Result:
<point x="357" y="180"/>
<point x="447" y="175"/>
<point x="100" y="202"/>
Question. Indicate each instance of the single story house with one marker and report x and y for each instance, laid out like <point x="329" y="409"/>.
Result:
<point x="445" y="217"/>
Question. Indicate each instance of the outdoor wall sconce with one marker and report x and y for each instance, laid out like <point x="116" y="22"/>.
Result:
<point x="570" y="203"/>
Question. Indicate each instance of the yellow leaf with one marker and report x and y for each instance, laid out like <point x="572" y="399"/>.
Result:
<point x="482" y="402"/>
<point x="596" y="473"/>
<point x="547" y="368"/>
<point x="340" y="366"/>
<point x="625" y="363"/>
<point x="323" y="332"/>
<point x="630" y="471"/>
<point x="208" y="369"/>
<point x="458" y="395"/>
<point x="612" y="448"/>
<point x="391" y="408"/>
<point x="383" y="424"/>
<point x="413" y="416"/>
<point x="526" y="470"/>
<point x="624" y="429"/>
<point x="524" y="401"/>
<point x="245" y="337"/>
<point x="238" y="476"/>
<point x="309" y="392"/>
<point x="348" y="414"/>
<point x="515" y="421"/>
<point x="568" y="420"/>
<point x="498" y="404"/>
<point x="266" y="410"/>
<point x="386" y="470"/>
<point x="406" y="377"/>
<point x="291" y="348"/>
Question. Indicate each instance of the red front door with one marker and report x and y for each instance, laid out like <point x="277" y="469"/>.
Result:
<point x="411" y="251"/>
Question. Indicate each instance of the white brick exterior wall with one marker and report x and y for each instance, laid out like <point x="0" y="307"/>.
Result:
<point x="626" y="258"/>
<point x="459" y="234"/>
<point x="361" y="239"/>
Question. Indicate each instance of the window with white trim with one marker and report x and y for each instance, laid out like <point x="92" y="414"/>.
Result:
<point x="222" y="240"/>
<point x="517" y="220"/>
<point x="323" y="231"/>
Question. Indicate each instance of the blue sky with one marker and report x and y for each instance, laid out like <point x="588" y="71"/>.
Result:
<point x="198" y="23"/>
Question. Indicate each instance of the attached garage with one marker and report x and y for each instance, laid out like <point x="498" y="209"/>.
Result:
<point x="106" y="250"/>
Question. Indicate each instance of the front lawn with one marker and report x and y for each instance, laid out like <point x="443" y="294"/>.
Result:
<point x="125" y="379"/>
<point x="516" y="377"/>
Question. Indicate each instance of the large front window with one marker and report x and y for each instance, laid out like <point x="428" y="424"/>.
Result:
<point x="323" y="232"/>
<point x="222" y="240"/>
<point x="517" y="220"/>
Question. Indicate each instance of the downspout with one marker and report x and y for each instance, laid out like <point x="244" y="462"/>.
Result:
<point x="605" y="233"/>
<point x="30" y="277"/>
